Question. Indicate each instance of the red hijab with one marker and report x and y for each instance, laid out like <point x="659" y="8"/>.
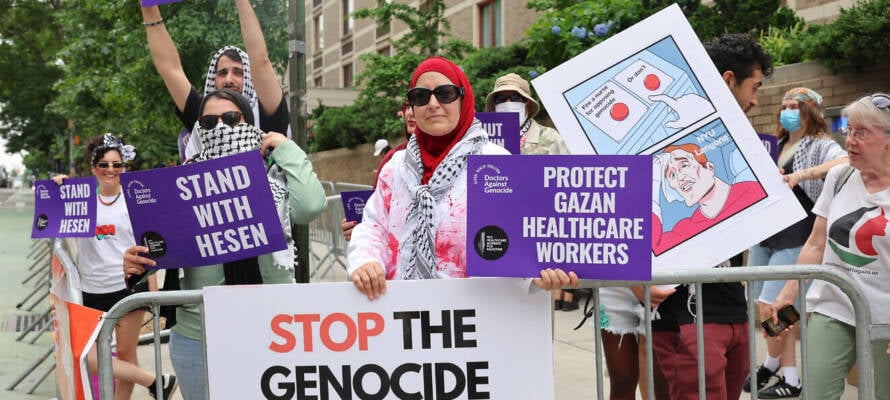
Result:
<point x="433" y="149"/>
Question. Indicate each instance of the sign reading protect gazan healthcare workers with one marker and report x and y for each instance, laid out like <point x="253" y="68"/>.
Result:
<point x="204" y="213"/>
<point x="475" y="338"/>
<point x="652" y="89"/>
<point x="66" y="210"/>
<point x="502" y="128"/>
<point x="588" y="214"/>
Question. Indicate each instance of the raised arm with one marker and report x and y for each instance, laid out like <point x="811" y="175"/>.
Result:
<point x="264" y="80"/>
<point x="165" y="56"/>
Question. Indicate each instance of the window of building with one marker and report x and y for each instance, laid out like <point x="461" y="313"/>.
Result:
<point x="385" y="51"/>
<point x="348" y="7"/>
<point x="347" y="75"/>
<point x="318" y="38"/>
<point x="490" y="24"/>
<point x="318" y="81"/>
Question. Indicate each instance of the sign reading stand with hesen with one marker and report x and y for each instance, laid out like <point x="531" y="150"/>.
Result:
<point x="588" y="214"/>
<point x="205" y="213"/>
<point x="66" y="210"/>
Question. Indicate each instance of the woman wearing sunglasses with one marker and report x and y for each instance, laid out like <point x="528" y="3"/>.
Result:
<point x="225" y="127"/>
<point x="850" y="232"/>
<point x="414" y="225"/>
<point x="99" y="264"/>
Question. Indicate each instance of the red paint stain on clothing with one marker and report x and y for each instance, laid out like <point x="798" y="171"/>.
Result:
<point x="393" y="245"/>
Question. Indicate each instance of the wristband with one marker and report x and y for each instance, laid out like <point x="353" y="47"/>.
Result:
<point x="155" y="23"/>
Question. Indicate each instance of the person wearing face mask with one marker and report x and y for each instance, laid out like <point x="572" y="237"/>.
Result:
<point x="225" y="127"/>
<point x="511" y="94"/>
<point x="806" y="153"/>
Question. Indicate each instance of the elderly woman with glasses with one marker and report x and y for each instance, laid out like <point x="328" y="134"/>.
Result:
<point x="414" y="225"/>
<point x="850" y="232"/>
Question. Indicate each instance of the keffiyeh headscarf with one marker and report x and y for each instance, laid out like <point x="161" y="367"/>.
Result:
<point x="805" y="95"/>
<point x="443" y="159"/>
<point x="247" y="89"/>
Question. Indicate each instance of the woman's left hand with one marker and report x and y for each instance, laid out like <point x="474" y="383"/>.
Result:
<point x="271" y="140"/>
<point x="556" y="278"/>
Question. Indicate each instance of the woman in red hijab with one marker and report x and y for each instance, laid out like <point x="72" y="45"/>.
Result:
<point x="414" y="225"/>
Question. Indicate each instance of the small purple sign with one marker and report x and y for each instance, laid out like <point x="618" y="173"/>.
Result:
<point x="204" y="213"/>
<point x="66" y="210"/>
<point x="149" y="3"/>
<point x="771" y="143"/>
<point x="588" y="214"/>
<point x="354" y="204"/>
<point x="502" y="128"/>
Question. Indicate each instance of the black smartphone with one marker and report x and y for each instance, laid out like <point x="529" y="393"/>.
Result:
<point x="788" y="316"/>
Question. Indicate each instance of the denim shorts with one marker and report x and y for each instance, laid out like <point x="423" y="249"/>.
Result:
<point x="767" y="291"/>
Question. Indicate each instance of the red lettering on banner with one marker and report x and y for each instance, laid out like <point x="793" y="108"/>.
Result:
<point x="359" y="329"/>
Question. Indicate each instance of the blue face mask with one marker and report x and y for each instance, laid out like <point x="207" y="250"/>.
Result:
<point x="790" y="120"/>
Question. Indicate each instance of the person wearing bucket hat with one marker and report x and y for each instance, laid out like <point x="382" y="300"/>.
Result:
<point x="511" y="94"/>
<point x="806" y="153"/>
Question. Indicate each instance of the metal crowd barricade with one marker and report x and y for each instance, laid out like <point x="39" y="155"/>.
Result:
<point x="865" y="331"/>
<point x="325" y="232"/>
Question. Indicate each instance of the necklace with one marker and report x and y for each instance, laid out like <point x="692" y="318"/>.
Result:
<point x="99" y="196"/>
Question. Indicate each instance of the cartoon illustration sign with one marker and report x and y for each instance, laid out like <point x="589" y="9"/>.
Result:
<point x="653" y="90"/>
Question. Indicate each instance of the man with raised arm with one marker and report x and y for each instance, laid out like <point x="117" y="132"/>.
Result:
<point x="230" y="68"/>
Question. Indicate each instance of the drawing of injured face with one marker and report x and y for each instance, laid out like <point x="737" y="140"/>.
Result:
<point x="690" y="174"/>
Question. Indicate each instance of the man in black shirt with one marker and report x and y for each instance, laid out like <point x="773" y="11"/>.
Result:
<point x="742" y="63"/>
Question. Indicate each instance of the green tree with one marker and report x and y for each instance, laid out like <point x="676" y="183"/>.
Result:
<point x="385" y="78"/>
<point x="856" y="41"/>
<point x="87" y="62"/>
<point x="29" y="61"/>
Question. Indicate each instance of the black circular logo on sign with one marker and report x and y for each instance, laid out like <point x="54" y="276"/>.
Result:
<point x="157" y="245"/>
<point x="42" y="222"/>
<point x="491" y="242"/>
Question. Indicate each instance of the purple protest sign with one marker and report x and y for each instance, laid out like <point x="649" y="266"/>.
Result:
<point x="771" y="143"/>
<point x="149" y="3"/>
<point x="588" y="214"/>
<point x="354" y="203"/>
<point x="204" y="213"/>
<point x="502" y="128"/>
<point x="67" y="210"/>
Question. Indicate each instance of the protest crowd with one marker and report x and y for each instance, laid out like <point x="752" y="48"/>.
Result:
<point x="244" y="184"/>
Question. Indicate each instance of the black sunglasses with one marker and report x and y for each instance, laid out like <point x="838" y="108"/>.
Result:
<point x="105" y="164"/>
<point x="514" y="97"/>
<point x="230" y="118"/>
<point x="445" y="94"/>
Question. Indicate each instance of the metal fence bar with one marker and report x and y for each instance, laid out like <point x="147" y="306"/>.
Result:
<point x="785" y="272"/>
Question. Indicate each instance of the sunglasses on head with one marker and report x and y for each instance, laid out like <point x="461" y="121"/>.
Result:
<point x="513" y="97"/>
<point x="882" y="102"/>
<point x="230" y="118"/>
<point x="445" y="94"/>
<point x="105" y="164"/>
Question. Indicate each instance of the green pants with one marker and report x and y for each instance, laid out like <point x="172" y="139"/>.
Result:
<point x="831" y="354"/>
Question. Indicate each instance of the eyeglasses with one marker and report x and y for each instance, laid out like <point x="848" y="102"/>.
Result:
<point x="445" y="94"/>
<point x="106" y="164"/>
<point x="230" y="118"/>
<point x="514" y="97"/>
<point x="860" y="134"/>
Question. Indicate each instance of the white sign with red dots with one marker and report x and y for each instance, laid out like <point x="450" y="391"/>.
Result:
<point x="612" y="109"/>
<point x="644" y="79"/>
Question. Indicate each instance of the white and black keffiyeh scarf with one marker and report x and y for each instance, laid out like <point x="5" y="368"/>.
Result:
<point x="810" y="152"/>
<point x="225" y="140"/>
<point x="418" y="250"/>
<point x="247" y="89"/>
